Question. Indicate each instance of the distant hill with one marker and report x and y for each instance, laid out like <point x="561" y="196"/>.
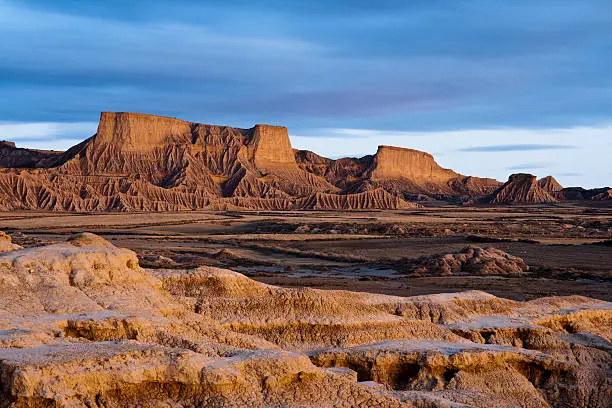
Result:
<point x="139" y="162"/>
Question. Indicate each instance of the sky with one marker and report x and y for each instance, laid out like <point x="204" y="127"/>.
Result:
<point x="490" y="87"/>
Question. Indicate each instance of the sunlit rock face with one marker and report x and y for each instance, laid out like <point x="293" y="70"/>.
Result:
<point x="522" y="188"/>
<point x="138" y="162"/>
<point x="82" y="324"/>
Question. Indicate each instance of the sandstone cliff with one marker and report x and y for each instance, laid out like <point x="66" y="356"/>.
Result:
<point x="139" y="162"/>
<point x="520" y="189"/>
<point x="411" y="174"/>
<point x="549" y="184"/>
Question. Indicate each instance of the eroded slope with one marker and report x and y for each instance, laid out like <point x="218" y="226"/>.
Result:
<point x="81" y="324"/>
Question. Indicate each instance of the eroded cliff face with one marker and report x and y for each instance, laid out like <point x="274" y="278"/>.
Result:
<point x="82" y="324"/>
<point x="272" y="147"/>
<point x="138" y="162"/>
<point x="407" y="173"/>
<point x="520" y="188"/>
<point x="550" y="184"/>
<point x="399" y="163"/>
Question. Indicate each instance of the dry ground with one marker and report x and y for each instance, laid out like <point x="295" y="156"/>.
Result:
<point x="567" y="247"/>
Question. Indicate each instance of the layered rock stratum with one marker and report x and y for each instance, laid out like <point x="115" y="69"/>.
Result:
<point x="83" y="325"/>
<point x="139" y="162"/>
<point x="522" y="188"/>
<point x="408" y="173"/>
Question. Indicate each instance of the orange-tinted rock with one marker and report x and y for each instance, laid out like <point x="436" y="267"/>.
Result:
<point x="551" y="185"/>
<point x="520" y="189"/>
<point x="399" y="163"/>
<point x="472" y="260"/>
<point x="271" y="146"/>
<point x="411" y="174"/>
<point x="82" y="324"/>
<point x="139" y="162"/>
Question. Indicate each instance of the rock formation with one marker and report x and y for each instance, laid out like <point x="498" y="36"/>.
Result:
<point x="580" y="194"/>
<point x="82" y="324"/>
<point x="470" y="260"/>
<point x="551" y="185"/>
<point x="138" y="162"/>
<point x="519" y="189"/>
<point x="409" y="173"/>
<point x="13" y="156"/>
<point x="6" y="243"/>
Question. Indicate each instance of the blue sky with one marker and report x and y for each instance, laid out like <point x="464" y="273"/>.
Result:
<point x="490" y="87"/>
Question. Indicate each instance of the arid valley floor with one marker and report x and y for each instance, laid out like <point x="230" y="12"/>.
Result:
<point x="566" y="247"/>
<point x="425" y="307"/>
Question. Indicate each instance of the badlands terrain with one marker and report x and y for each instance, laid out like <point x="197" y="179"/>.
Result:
<point x="164" y="263"/>
<point x="138" y="162"/>
<point x="432" y="307"/>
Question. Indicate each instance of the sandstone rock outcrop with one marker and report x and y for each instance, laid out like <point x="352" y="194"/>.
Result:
<point x="82" y="324"/>
<point x="551" y="185"/>
<point x="139" y="162"/>
<point x="411" y="174"/>
<point x="519" y="189"/>
<point x="580" y="194"/>
<point x="6" y="243"/>
<point x="470" y="260"/>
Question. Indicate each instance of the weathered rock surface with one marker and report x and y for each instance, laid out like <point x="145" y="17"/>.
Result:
<point x="411" y="174"/>
<point x="139" y="162"/>
<point x="6" y="243"/>
<point x="470" y="260"/>
<point x="551" y="185"/>
<point x="579" y="194"/>
<point x="82" y="324"/>
<point x="520" y="189"/>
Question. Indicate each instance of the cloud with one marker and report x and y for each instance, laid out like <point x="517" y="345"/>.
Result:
<point x="515" y="148"/>
<point x="570" y="174"/>
<point x="449" y="149"/>
<point x="526" y="166"/>
<point x="347" y="75"/>
<point x="47" y="135"/>
<point x="346" y="64"/>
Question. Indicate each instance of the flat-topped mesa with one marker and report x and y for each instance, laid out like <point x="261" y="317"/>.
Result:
<point x="6" y="143"/>
<point x="271" y="146"/>
<point x="399" y="163"/>
<point x="135" y="143"/>
<point x="138" y="132"/>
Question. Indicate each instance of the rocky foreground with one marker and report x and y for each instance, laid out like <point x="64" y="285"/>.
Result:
<point x="82" y="324"/>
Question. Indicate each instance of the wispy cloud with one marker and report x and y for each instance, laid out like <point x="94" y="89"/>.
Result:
<point x="46" y="135"/>
<point x="471" y="151"/>
<point x="529" y="166"/>
<point x="570" y="174"/>
<point x="515" y="148"/>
